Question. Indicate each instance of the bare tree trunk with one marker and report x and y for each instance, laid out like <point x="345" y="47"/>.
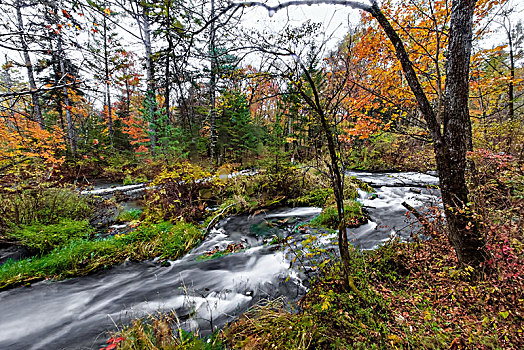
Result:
<point x="511" y="94"/>
<point x="6" y="78"/>
<point x="128" y="98"/>
<point x="71" y="135"/>
<point x="108" y="83"/>
<point x="212" y="88"/>
<point x="37" y="112"/>
<point x="167" y="88"/>
<point x="150" y="76"/>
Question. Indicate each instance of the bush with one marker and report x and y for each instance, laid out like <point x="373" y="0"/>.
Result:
<point x="42" y="205"/>
<point x="274" y="187"/>
<point x="41" y="239"/>
<point x="179" y="191"/>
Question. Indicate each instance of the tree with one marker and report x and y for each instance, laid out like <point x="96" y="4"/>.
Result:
<point x="320" y="87"/>
<point x="449" y="127"/>
<point x="515" y="37"/>
<point x="141" y="12"/>
<point x="37" y="112"/>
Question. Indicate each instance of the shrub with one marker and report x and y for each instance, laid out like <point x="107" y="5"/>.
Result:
<point x="42" y="205"/>
<point x="179" y="191"/>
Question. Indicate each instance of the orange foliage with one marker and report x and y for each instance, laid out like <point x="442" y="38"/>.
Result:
<point x="21" y="138"/>
<point x="382" y="89"/>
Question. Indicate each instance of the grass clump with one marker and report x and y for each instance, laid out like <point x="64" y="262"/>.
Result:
<point x="81" y="256"/>
<point x="316" y="197"/>
<point x="129" y="215"/>
<point x="130" y="180"/>
<point x="353" y="215"/>
<point x="41" y="239"/>
<point x="161" y="332"/>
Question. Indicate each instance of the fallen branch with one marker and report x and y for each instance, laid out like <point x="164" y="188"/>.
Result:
<point x="212" y="222"/>
<point x="421" y="218"/>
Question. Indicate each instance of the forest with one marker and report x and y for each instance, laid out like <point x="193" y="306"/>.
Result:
<point x="216" y="174"/>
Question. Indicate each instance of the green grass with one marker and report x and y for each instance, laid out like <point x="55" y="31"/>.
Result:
<point x="354" y="216"/>
<point x="81" y="256"/>
<point x="41" y="239"/>
<point x="42" y="205"/>
<point x="129" y="215"/>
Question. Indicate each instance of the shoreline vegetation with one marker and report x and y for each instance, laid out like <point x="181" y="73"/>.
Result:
<point x="449" y="309"/>
<point x="411" y="295"/>
<point x="65" y="245"/>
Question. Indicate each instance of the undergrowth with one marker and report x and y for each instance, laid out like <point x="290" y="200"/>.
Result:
<point x="161" y="331"/>
<point x="415" y="295"/>
<point x="353" y="216"/>
<point x="41" y="239"/>
<point x="41" y="205"/>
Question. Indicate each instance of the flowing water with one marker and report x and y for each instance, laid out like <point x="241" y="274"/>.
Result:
<point x="205" y="294"/>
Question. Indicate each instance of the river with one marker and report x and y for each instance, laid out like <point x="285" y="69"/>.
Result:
<point x="205" y="294"/>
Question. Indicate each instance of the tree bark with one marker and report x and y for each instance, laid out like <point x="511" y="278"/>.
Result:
<point x="452" y="138"/>
<point x="463" y="229"/>
<point x="71" y="135"/>
<point x="108" y="84"/>
<point x="170" y="46"/>
<point x="511" y="94"/>
<point x="150" y="77"/>
<point x="37" y="111"/>
<point x="212" y="89"/>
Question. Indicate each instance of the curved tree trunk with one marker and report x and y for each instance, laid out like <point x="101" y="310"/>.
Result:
<point x="463" y="229"/>
<point x="451" y="136"/>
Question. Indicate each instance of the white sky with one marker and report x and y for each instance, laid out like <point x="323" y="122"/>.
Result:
<point x="335" y="19"/>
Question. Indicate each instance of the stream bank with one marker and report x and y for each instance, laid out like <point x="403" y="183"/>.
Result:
<point x="205" y="294"/>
